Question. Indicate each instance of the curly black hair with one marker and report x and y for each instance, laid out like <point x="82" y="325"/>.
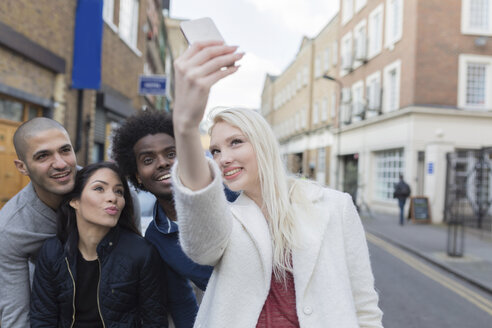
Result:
<point x="144" y="123"/>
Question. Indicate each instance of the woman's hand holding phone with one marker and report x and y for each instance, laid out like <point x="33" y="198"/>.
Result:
<point x="206" y="61"/>
<point x="196" y="71"/>
<point x="202" y="65"/>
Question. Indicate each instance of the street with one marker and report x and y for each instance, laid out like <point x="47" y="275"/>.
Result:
<point x="415" y="293"/>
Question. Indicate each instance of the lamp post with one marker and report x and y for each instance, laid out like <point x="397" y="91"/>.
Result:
<point x="339" y="126"/>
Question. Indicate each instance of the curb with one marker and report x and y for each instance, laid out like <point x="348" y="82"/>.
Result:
<point x="427" y="258"/>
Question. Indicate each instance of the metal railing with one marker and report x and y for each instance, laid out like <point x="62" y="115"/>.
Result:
<point x="468" y="196"/>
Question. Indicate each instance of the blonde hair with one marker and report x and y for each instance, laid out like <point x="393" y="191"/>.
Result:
<point x="274" y="183"/>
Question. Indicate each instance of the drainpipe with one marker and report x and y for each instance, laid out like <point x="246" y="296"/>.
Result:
<point x="80" y="108"/>
<point x="87" y="130"/>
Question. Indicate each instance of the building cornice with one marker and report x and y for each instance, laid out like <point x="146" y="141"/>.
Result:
<point x="416" y="110"/>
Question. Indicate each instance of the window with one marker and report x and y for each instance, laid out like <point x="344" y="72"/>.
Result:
<point x="324" y="110"/>
<point x="108" y="11"/>
<point x="17" y="110"/>
<point x="345" y="107"/>
<point x="305" y="76"/>
<point x="476" y="17"/>
<point x="394" y="21"/>
<point x="299" y="80"/>
<point x="303" y="118"/>
<point x="347" y="10"/>
<point x="392" y="87"/>
<point x="475" y="82"/>
<point x="129" y="21"/>
<point x="346" y="53"/>
<point x="11" y="110"/>
<point x="358" y="101"/>
<point x="333" y="109"/>
<point x="326" y="58"/>
<point x="317" y="67"/>
<point x="373" y="94"/>
<point x="334" y="60"/>
<point x="375" y="31"/>
<point x="359" y="4"/>
<point x="389" y="166"/>
<point x="360" y="41"/>
<point x="298" y="121"/>
<point x="315" y="113"/>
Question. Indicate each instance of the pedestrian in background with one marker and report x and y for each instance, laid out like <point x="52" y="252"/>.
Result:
<point x="402" y="192"/>
<point x="98" y="271"/>
<point x="44" y="154"/>
<point x="145" y="149"/>
<point x="287" y="252"/>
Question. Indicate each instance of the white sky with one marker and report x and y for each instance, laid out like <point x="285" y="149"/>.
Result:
<point x="268" y="31"/>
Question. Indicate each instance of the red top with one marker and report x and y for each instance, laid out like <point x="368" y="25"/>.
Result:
<point x="279" y="310"/>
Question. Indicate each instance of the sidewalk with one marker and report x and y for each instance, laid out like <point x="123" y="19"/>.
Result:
<point x="429" y="242"/>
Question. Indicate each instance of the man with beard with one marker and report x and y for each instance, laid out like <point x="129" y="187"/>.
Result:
<point x="144" y="148"/>
<point x="46" y="156"/>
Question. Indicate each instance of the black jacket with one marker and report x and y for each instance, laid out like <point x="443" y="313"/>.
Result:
<point x="130" y="288"/>
<point x="402" y="190"/>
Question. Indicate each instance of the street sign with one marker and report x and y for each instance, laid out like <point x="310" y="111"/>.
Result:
<point x="430" y="168"/>
<point x="152" y="85"/>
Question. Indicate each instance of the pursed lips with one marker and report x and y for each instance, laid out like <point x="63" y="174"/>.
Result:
<point x="111" y="210"/>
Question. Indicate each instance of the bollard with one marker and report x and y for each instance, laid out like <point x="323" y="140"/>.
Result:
<point x="456" y="238"/>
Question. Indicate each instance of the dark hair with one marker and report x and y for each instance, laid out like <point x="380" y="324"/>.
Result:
<point x="66" y="217"/>
<point x="147" y="122"/>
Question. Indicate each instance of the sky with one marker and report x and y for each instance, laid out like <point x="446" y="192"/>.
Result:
<point x="268" y="31"/>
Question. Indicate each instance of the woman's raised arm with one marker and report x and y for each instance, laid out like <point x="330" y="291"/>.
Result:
<point x="196" y="71"/>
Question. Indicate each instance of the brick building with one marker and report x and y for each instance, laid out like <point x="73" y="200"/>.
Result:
<point x="415" y="79"/>
<point x="176" y="44"/>
<point x="36" y="64"/>
<point x="299" y="104"/>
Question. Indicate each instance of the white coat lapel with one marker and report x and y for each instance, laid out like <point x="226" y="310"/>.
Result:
<point x="251" y="218"/>
<point x="311" y="231"/>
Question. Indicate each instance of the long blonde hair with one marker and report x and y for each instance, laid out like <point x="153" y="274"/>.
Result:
<point x="274" y="183"/>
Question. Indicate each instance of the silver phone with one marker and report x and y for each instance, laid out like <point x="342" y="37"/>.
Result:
<point x="202" y="29"/>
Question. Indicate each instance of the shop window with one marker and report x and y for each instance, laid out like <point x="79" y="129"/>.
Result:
<point x="389" y="165"/>
<point x="17" y="110"/>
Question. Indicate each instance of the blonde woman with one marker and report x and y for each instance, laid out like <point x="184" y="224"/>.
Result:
<point x="287" y="253"/>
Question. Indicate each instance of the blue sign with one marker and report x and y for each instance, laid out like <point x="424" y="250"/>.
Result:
<point x="152" y="85"/>
<point x="430" y="168"/>
<point x="87" y="47"/>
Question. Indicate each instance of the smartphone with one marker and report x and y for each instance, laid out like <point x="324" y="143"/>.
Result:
<point x="202" y="29"/>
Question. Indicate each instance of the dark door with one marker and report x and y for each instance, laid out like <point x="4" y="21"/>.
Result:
<point x="350" y="175"/>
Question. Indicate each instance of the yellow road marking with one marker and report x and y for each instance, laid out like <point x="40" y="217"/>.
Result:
<point x="459" y="289"/>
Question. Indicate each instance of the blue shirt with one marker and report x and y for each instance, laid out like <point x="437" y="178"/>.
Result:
<point x="179" y="269"/>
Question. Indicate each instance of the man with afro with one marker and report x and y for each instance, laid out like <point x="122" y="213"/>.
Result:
<point x="144" y="148"/>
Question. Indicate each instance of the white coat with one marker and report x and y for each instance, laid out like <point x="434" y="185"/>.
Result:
<point x="334" y="285"/>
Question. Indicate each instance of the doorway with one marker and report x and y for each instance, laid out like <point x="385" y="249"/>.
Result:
<point x="10" y="179"/>
<point x="350" y="175"/>
<point x="12" y="113"/>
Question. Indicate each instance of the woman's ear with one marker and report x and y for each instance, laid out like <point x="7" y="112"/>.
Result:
<point x="74" y="203"/>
